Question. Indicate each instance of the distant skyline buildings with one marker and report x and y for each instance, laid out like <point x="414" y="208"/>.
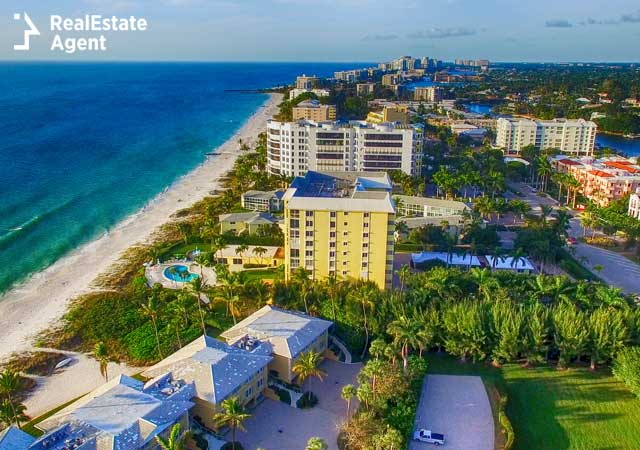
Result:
<point x="360" y="30"/>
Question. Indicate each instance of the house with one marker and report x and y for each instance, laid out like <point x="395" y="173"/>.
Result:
<point x="14" y="438"/>
<point x="412" y="206"/>
<point x="426" y="259"/>
<point x="263" y="201"/>
<point x="250" y="222"/>
<point x="634" y="204"/>
<point x="123" y="414"/>
<point x="289" y="333"/>
<point x="217" y="371"/>
<point x="254" y="256"/>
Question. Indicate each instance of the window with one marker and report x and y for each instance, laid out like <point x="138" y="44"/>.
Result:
<point x="308" y="253"/>
<point x="364" y="265"/>
<point x="332" y="244"/>
<point x="366" y="215"/>
<point x="365" y="245"/>
<point x="365" y="235"/>
<point x="308" y="223"/>
<point x="332" y="235"/>
<point x="332" y="224"/>
<point x="294" y="223"/>
<point x="365" y="255"/>
<point x="248" y="392"/>
<point x="366" y="225"/>
<point x="237" y="260"/>
<point x="332" y="214"/>
<point x="308" y="213"/>
<point x="308" y="233"/>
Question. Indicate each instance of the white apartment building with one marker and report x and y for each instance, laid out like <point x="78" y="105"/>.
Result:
<point x="572" y="137"/>
<point x="293" y="148"/>
<point x="293" y="93"/>
<point x="634" y="205"/>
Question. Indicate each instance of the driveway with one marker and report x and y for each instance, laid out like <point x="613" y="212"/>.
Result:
<point x="458" y="407"/>
<point x="277" y="426"/>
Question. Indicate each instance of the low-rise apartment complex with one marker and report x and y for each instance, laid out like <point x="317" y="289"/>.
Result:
<point x="340" y="224"/>
<point x="293" y="148"/>
<point x="288" y="334"/>
<point x="250" y="222"/>
<point x="602" y="180"/>
<point x="314" y="110"/>
<point x="572" y="137"/>
<point x="365" y="89"/>
<point x="262" y="201"/>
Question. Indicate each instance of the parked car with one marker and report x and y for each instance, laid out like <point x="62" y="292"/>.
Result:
<point x="571" y="240"/>
<point x="429" y="437"/>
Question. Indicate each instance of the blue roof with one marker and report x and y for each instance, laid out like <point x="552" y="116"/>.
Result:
<point x="15" y="439"/>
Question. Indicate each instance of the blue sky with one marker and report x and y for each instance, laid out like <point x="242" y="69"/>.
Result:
<point x="345" y="30"/>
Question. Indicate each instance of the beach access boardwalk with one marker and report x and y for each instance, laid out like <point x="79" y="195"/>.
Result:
<point x="459" y="408"/>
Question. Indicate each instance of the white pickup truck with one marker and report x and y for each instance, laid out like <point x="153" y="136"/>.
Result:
<point x="429" y="437"/>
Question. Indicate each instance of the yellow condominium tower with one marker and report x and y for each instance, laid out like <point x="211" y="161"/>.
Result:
<point x="340" y="224"/>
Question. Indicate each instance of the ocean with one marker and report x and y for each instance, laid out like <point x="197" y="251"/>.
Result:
<point x="83" y="146"/>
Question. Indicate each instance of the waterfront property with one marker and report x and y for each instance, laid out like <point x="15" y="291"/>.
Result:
<point x="250" y="223"/>
<point x="176" y="274"/>
<point x="430" y="94"/>
<point x="238" y="257"/>
<point x="122" y="414"/>
<point x="634" y="204"/>
<point x="262" y="201"/>
<point x="217" y="371"/>
<point x="358" y="146"/>
<point x="340" y="224"/>
<point x="288" y="333"/>
<point x="314" y="110"/>
<point x="316" y="91"/>
<point x="602" y="180"/>
<point x="574" y="137"/>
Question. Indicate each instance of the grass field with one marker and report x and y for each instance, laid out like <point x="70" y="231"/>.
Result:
<point x="560" y="410"/>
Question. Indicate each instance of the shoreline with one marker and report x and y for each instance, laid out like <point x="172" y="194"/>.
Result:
<point x="40" y="302"/>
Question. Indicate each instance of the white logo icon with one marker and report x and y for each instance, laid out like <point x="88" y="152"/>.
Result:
<point x="31" y="31"/>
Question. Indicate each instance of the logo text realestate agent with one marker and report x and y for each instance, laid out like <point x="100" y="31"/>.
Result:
<point x="94" y="25"/>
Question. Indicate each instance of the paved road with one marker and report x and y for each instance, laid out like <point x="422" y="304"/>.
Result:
<point x="616" y="269"/>
<point x="458" y="407"/>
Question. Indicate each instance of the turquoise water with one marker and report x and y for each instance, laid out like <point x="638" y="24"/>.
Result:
<point x="82" y="146"/>
<point x="181" y="274"/>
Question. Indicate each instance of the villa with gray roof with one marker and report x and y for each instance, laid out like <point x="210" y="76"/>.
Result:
<point x="218" y="371"/>
<point x="123" y="414"/>
<point x="289" y="334"/>
<point x="264" y="201"/>
<point x="246" y="222"/>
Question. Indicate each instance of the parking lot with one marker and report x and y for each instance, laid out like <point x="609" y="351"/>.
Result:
<point x="458" y="407"/>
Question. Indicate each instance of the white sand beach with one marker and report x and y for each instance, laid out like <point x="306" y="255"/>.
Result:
<point x="41" y="301"/>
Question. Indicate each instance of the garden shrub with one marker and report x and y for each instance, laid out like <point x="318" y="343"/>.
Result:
<point x="308" y="400"/>
<point x="283" y="394"/>
<point x="626" y="368"/>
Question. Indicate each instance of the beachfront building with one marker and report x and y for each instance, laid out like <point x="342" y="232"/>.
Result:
<point x="288" y="334"/>
<point x="634" y="204"/>
<point x="348" y="76"/>
<point x="318" y="92"/>
<point x="122" y="414"/>
<point x="251" y="222"/>
<point x="306" y="82"/>
<point x="430" y="94"/>
<point x="364" y="89"/>
<point x="263" y="201"/>
<point x="390" y="114"/>
<point x="217" y="371"/>
<point x="314" y="110"/>
<point x="573" y="137"/>
<point x="602" y="180"/>
<point x="340" y="224"/>
<point x="293" y="148"/>
<point x="238" y="258"/>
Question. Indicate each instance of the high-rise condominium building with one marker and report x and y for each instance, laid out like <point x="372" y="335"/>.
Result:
<point x="314" y="110"/>
<point x="340" y="224"/>
<point x="365" y="88"/>
<point x="573" y="137"/>
<point x="430" y="94"/>
<point x="391" y="79"/>
<point x="306" y="82"/>
<point x="293" y="148"/>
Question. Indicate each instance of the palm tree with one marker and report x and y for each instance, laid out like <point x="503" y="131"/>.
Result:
<point x="101" y="354"/>
<point x="405" y="335"/>
<point x="259" y="251"/>
<point x="12" y="413"/>
<point x="365" y="295"/>
<point x="196" y="286"/>
<point x="183" y="229"/>
<point x="150" y="310"/>
<point x="233" y="416"/>
<point x="348" y="392"/>
<point x="316" y="443"/>
<point x="307" y="366"/>
<point x="301" y="277"/>
<point x="10" y="384"/>
<point x="175" y="441"/>
<point x="403" y="274"/>
<point x="241" y="250"/>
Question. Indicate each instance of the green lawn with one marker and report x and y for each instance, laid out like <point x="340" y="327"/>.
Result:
<point x="559" y="410"/>
<point x="263" y="274"/>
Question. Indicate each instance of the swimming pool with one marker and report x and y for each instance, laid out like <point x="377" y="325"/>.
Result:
<point x="179" y="273"/>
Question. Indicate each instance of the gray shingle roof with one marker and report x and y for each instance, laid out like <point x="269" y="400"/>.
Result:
<point x="289" y="332"/>
<point x="218" y="370"/>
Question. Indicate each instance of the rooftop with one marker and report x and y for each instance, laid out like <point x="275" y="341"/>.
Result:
<point x="265" y="195"/>
<point x="15" y="439"/>
<point x="453" y="259"/>
<point x="256" y="218"/>
<point x="351" y="191"/>
<point x="288" y="332"/>
<point x="509" y="263"/>
<point x="430" y="201"/>
<point x="216" y="369"/>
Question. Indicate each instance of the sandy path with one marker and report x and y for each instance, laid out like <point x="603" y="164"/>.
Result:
<point x="40" y="302"/>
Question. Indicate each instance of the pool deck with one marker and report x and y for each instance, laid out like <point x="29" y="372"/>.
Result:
<point x="155" y="274"/>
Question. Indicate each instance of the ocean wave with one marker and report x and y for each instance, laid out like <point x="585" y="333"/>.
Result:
<point x="14" y="232"/>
